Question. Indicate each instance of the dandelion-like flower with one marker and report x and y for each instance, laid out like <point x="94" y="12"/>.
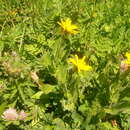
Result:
<point x="22" y="115"/>
<point x="68" y="26"/>
<point x="80" y="64"/>
<point x="10" y="114"/>
<point x="127" y="61"/>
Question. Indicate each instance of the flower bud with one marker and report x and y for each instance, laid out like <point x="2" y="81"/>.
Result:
<point x="22" y="115"/>
<point x="123" y="66"/>
<point x="34" y="76"/>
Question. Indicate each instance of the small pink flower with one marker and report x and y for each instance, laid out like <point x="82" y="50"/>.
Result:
<point x="22" y="115"/>
<point x="10" y="114"/>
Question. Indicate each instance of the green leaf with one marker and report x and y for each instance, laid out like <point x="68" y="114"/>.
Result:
<point x="21" y="92"/>
<point x="37" y="95"/>
<point x="1" y="46"/>
<point x="47" y="88"/>
<point x="60" y="124"/>
<point x="61" y="73"/>
<point x="2" y="107"/>
<point x="123" y="106"/>
<point x="46" y="60"/>
<point x="77" y="117"/>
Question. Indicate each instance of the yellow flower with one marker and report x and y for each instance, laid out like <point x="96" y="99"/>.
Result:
<point x="127" y="61"/>
<point x="68" y="26"/>
<point x="80" y="64"/>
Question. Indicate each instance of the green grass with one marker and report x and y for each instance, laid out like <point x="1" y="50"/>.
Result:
<point x="58" y="97"/>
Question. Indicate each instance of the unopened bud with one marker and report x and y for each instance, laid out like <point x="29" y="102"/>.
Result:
<point x="34" y="76"/>
<point x="123" y="66"/>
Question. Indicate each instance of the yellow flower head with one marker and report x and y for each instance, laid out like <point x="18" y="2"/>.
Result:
<point x="127" y="61"/>
<point x="80" y="64"/>
<point x="68" y="26"/>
